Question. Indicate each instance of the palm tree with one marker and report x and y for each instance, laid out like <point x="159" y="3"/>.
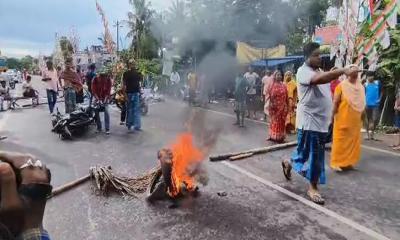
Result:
<point x="177" y="11"/>
<point x="139" y="21"/>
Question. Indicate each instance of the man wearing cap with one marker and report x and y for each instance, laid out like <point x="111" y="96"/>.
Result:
<point x="72" y="85"/>
<point x="101" y="90"/>
<point x="131" y="84"/>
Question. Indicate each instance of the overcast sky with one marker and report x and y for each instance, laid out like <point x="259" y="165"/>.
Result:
<point x="29" y="26"/>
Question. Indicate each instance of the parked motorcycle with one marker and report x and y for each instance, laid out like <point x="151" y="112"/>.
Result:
<point x="74" y="124"/>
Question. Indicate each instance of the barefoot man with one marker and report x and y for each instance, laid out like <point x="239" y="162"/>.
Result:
<point x="314" y="112"/>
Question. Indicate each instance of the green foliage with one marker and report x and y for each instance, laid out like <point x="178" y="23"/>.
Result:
<point x="149" y="67"/>
<point x="139" y="21"/>
<point x="66" y="48"/>
<point x="389" y="61"/>
<point x="27" y="62"/>
<point x="13" y="63"/>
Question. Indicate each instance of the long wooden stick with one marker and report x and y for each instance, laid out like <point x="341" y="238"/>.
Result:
<point x="248" y="153"/>
<point x="69" y="186"/>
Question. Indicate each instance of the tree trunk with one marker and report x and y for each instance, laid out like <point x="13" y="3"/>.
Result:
<point x="387" y="114"/>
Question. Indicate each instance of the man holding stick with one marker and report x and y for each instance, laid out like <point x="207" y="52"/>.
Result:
<point x="314" y="112"/>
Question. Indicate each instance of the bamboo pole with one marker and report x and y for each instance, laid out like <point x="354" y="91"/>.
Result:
<point x="249" y="153"/>
<point x="69" y="186"/>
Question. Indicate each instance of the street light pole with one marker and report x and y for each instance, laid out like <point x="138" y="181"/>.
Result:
<point x="117" y="37"/>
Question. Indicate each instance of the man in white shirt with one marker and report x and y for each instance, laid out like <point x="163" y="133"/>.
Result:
<point x="50" y="76"/>
<point x="251" y="78"/>
<point x="175" y="79"/>
<point x="314" y="112"/>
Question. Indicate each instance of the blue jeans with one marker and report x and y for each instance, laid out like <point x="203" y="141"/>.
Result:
<point x="51" y="99"/>
<point x="106" y="118"/>
<point x="133" y="111"/>
<point x="70" y="100"/>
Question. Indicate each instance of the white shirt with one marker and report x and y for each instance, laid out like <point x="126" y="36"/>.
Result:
<point x="52" y="83"/>
<point x="27" y="86"/>
<point x="175" y="78"/>
<point x="251" y="79"/>
<point x="314" y="109"/>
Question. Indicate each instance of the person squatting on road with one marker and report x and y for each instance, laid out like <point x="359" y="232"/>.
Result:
<point x="348" y="106"/>
<point x="241" y="87"/>
<point x="101" y="89"/>
<point x="24" y="188"/>
<point x="314" y="112"/>
<point x="72" y="85"/>
<point x="131" y="84"/>
<point x="29" y="92"/>
<point x="278" y="108"/>
<point x="50" y="76"/>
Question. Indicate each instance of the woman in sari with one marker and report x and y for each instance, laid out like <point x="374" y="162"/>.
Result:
<point x="278" y="108"/>
<point x="291" y="86"/>
<point x="349" y="104"/>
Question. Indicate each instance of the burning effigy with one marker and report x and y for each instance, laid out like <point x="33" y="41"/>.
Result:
<point x="180" y="172"/>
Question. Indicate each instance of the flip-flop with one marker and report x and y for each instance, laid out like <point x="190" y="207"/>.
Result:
<point x="3" y="137"/>
<point x="337" y="169"/>
<point x="287" y="170"/>
<point x="316" y="198"/>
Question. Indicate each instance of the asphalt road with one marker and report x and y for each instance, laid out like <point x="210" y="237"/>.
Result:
<point x="260" y="203"/>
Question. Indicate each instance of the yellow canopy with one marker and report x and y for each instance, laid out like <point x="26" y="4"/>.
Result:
<point x="246" y="54"/>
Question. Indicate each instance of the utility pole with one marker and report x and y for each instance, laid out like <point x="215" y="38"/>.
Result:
<point x="118" y="25"/>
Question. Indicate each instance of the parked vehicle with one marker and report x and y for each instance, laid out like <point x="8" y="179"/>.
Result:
<point x="74" y="124"/>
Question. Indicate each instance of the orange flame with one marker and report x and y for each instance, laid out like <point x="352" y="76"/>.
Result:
<point x="186" y="156"/>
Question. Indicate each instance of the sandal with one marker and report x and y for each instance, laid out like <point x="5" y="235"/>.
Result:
<point x="287" y="170"/>
<point x="337" y="169"/>
<point x="316" y="198"/>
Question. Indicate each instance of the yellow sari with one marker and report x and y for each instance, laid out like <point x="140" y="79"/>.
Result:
<point x="291" y="86"/>
<point x="346" y="145"/>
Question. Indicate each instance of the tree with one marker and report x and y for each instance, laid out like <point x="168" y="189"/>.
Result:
<point x="27" y="62"/>
<point x="308" y="15"/>
<point x="66" y="48"/>
<point x="389" y="72"/>
<point x="13" y="63"/>
<point x="139" y="21"/>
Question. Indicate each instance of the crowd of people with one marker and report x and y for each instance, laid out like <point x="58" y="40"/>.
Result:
<point x="320" y="107"/>
<point x="98" y="85"/>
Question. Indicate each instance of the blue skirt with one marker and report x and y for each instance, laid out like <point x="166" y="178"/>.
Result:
<point x="308" y="159"/>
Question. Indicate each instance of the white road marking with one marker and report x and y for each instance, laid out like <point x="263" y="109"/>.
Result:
<point x="381" y="150"/>
<point x="309" y="203"/>
<point x="261" y="122"/>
